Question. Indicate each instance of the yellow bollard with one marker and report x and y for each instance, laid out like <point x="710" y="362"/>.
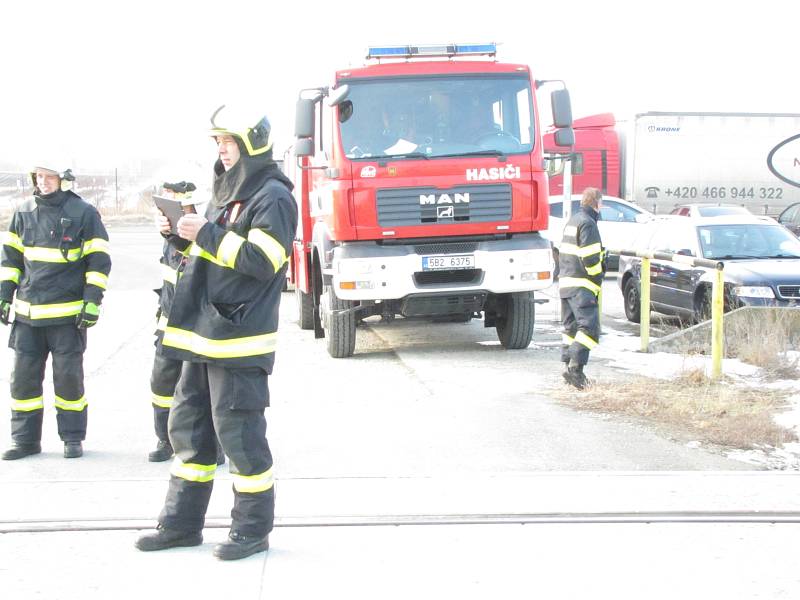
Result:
<point x="717" y="310"/>
<point x="644" y="308"/>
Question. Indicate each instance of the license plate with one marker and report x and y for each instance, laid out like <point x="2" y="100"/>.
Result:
<point x="438" y="263"/>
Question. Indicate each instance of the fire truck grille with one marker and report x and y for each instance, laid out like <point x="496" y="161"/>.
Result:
<point x="434" y="206"/>
<point x="446" y="248"/>
<point x="456" y="276"/>
<point x="789" y="291"/>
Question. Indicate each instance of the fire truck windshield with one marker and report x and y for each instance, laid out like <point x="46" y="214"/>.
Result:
<point x="438" y="116"/>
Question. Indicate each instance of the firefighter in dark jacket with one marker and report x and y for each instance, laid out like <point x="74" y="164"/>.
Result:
<point x="55" y="260"/>
<point x="581" y="266"/>
<point x="223" y="323"/>
<point x="166" y="371"/>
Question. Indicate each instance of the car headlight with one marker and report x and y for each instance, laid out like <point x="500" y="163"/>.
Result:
<point x="753" y="291"/>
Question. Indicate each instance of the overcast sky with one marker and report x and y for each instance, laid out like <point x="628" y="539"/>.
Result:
<point x="106" y="82"/>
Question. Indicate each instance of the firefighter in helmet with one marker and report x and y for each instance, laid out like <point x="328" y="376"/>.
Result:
<point x="53" y="272"/>
<point x="581" y="266"/>
<point x="223" y="323"/>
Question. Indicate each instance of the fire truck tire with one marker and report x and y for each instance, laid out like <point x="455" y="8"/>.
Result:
<point x="515" y="322"/>
<point x="305" y="309"/>
<point x="341" y="328"/>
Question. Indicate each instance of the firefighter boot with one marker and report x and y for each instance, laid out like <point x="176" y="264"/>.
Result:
<point x="19" y="450"/>
<point x="165" y="538"/>
<point x="162" y="452"/>
<point x="73" y="449"/>
<point x="240" y="546"/>
<point x="575" y="377"/>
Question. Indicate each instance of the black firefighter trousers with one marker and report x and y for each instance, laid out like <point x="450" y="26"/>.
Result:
<point x="580" y="315"/>
<point x="66" y="344"/>
<point x="212" y="401"/>
<point x="163" y="380"/>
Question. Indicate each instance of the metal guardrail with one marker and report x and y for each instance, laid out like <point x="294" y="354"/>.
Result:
<point x="717" y="299"/>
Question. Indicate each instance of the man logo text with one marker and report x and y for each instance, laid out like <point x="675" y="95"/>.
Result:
<point x="443" y="199"/>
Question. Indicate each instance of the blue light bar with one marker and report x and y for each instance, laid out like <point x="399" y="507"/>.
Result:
<point x="432" y="50"/>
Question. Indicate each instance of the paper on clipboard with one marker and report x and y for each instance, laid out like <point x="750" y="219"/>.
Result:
<point x="172" y="209"/>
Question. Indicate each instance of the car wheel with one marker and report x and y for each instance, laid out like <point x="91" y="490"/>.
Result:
<point x="633" y="301"/>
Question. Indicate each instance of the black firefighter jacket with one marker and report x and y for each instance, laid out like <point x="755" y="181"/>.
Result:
<point x="55" y="257"/>
<point x="225" y="309"/>
<point x="580" y="258"/>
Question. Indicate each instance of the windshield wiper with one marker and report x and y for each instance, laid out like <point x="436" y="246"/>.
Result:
<point x="404" y="155"/>
<point x="735" y="256"/>
<point x="475" y="153"/>
<point x="782" y="256"/>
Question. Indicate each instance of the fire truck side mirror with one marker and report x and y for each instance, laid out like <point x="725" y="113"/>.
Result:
<point x="304" y="119"/>
<point x="564" y="137"/>
<point x="562" y="108"/>
<point x="304" y="147"/>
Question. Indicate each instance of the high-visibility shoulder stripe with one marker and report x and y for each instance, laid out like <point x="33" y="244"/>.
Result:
<point x="163" y="401"/>
<point x="192" y="471"/>
<point x="252" y="484"/>
<point x="231" y="348"/>
<point x="97" y="278"/>
<point x="73" y="405"/>
<point x="195" y="250"/>
<point x="13" y="240"/>
<point x="52" y="255"/>
<point x="96" y="245"/>
<point x="229" y="249"/>
<point x="271" y="247"/>
<point x="571" y="282"/>
<point x="47" y="311"/>
<point x="584" y="340"/>
<point x="27" y="405"/>
<point x="169" y="274"/>
<point x="10" y="274"/>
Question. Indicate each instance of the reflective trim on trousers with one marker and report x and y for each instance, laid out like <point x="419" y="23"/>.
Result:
<point x="193" y="472"/>
<point x="253" y="484"/>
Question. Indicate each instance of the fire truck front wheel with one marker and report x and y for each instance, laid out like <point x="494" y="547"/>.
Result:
<point x="514" y="321"/>
<point x="340" y="327"/>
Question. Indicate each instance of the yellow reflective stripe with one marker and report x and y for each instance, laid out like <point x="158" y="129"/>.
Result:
<point x="95" y="245"/>
<point x="192" y="472"/>
<point x="96" y="278"/>
<point x="169" y="274"/>
<point x="232" y="348"/>
<point x="569" y="282"/>
<point x="47" y="311"/>
<point x="76" y="405"/>
<point x="53" y="255"/>
<point x="565" y="339"/>
<point x="12" y="239"/>
<point x="582" y="251"/>
<point x="197" y="251"/>
<point x="162" y="401"/>
<point x="584" y="340"/>
<point x="10" y="274"/>
<point x="229" y="248"/>
<point x="27" y="405"/>
<point x="162" y="323"/>
<point x="253" y="484"/>
<point x="271" y="247"/>
<point x="595" y="269"/>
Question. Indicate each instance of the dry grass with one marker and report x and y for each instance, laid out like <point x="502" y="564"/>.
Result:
<point x="714" y="412"/>
<point x="762" y="339"/>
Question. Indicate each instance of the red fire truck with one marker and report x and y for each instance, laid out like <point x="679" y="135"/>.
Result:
<point x="421" y="183"/>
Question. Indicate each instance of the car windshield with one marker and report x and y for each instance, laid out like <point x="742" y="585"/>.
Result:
<point x="718" y="211"/>
<point x="747" y="241"/>
<point x="438" y="116"/>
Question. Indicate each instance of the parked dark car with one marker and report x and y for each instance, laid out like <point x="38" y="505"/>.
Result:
<point x="761" y="258"/>
<point x="701" y="209"/>
<point x="790" y="218"/>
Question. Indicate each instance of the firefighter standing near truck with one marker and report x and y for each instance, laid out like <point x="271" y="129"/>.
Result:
<point x="54" y="266"/>
<point x="223" y="323"/>
<point x="581" y="268"/>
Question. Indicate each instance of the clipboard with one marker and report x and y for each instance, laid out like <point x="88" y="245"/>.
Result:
<point x="172" y="209"/>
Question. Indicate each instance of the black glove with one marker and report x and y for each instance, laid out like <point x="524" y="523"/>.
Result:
<point x="5" y="311"/>
<point x="182" y="187"/>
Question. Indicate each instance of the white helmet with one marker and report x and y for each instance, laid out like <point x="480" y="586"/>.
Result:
<point x="64" y="174"/>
